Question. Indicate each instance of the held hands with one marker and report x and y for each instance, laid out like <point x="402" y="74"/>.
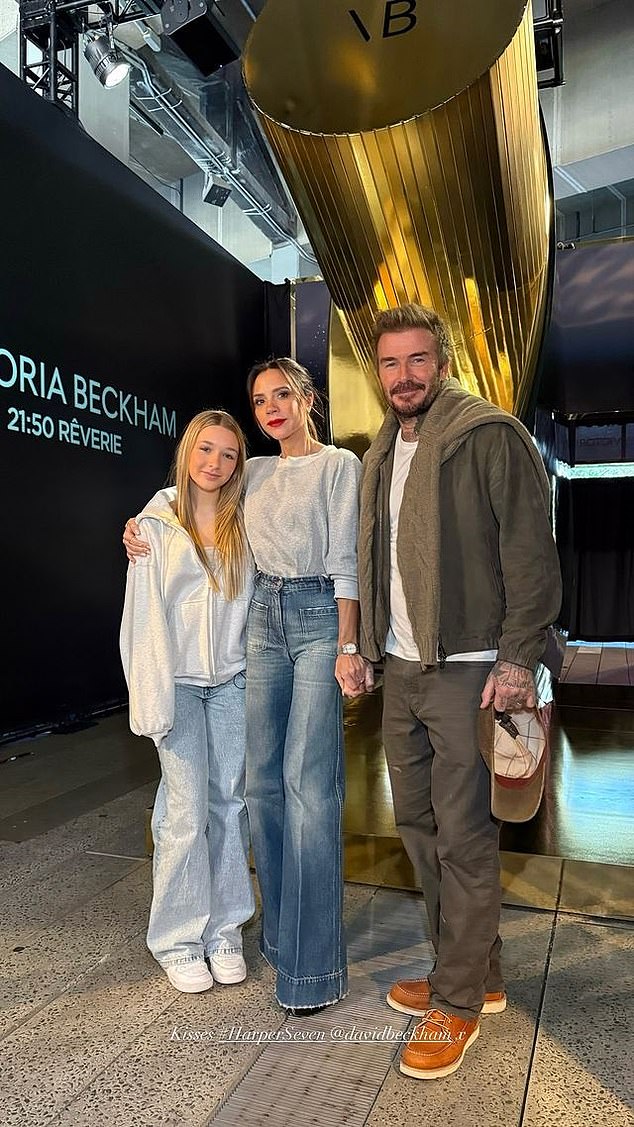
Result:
<point x="354" y="675"/>
<point x="510" y="687"/>
<point x="134" y="546"/>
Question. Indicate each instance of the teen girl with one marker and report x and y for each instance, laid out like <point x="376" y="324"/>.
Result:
<point x="183" y="653"/>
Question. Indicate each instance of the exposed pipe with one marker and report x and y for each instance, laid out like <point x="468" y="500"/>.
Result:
<point x="219" y="163"/>
<point x="247" y="7"/>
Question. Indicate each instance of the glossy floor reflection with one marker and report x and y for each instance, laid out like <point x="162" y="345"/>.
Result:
<point x="587" y="814"/>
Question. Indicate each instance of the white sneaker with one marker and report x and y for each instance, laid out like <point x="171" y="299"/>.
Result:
<point x="228" y="967"/>
<point x="190" y="978"/>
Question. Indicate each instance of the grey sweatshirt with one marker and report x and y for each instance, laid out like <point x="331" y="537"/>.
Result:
<point x="175" y="627"/>
<point x="301" y="516"/>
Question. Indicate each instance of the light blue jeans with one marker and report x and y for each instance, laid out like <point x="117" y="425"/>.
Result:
<point x="295" y="785"/>
<point x="202" y="887"/>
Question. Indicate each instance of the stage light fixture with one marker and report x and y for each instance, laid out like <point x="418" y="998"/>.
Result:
<point x="215" y="191"/>
<point x="197" y="26"/>
<point x="105" y="60"/>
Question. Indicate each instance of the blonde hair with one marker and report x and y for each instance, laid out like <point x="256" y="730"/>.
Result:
<point x="414" y="316"/>
<point x="230" y="535"/>
<point x="299" y="380"/>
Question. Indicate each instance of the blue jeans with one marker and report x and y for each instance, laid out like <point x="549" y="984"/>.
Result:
<point x="202" y="887"/>
<point x="295" y="785"/>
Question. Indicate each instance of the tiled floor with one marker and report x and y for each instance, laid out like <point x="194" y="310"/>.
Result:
<point x="92" y="1035"/>
<point x="596" y="664"/>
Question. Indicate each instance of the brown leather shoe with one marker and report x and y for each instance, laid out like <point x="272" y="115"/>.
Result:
<point x="437" y="1045"/>
<point x="411" y="996"/>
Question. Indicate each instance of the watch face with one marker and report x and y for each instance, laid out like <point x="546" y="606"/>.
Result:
<point x="349" y="648"/>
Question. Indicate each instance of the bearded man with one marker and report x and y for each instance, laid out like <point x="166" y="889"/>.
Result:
<point x="459" y="581"/>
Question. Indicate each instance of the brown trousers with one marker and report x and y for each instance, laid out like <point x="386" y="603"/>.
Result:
<point x="441" y="792"/>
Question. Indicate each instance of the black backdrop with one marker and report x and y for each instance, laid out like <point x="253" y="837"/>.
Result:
<point x="103" y="281"/>
<point x="589" y="372"/>
<point x="595" y="538"/>
<point x="589" y="359"/>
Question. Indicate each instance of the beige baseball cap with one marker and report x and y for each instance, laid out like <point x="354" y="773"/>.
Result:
<point x="515" y="748"/>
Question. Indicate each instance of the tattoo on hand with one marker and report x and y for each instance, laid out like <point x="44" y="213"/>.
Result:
<point x="512" y="676"/>
<point x="513" y="687"/>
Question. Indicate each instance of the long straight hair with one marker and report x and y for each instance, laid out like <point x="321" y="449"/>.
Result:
<point x="230" y="535"/>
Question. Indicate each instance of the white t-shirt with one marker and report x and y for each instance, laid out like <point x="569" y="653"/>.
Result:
<point x="400" y="639"/>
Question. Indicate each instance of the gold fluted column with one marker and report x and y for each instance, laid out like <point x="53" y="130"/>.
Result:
<point x="409" y="136"/>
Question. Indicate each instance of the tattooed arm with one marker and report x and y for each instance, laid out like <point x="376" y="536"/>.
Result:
<point x="510" y="687"/>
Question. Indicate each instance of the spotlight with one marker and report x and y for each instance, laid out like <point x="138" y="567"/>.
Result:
<point x="105" y="61"/>
<point x="215" y="191"/>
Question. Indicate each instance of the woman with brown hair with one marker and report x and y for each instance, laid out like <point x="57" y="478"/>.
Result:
<point x="302" y="635"/>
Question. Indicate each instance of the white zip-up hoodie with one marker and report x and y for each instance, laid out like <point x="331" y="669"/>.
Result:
<point x="175" y="627"/>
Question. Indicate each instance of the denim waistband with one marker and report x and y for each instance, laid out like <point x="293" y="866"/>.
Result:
<point x="302" y="583"/>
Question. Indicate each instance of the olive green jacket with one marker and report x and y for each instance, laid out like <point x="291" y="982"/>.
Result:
<point x="475" y="549"/>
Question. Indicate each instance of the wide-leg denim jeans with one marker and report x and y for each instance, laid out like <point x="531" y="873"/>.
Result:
<point x="295" y="785"/>
<point x="202" y="886"/>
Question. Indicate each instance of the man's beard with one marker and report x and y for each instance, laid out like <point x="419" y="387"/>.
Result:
<point x="415" y="407"/>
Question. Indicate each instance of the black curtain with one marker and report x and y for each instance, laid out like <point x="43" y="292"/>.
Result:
<point x="278" y="319"/>
<point x="595" y="538"/>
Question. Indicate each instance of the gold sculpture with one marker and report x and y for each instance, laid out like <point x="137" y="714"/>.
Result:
<point x="408" y="132"/>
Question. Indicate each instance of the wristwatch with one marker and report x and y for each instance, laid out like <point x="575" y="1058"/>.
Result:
<point x="348" y="648"/>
